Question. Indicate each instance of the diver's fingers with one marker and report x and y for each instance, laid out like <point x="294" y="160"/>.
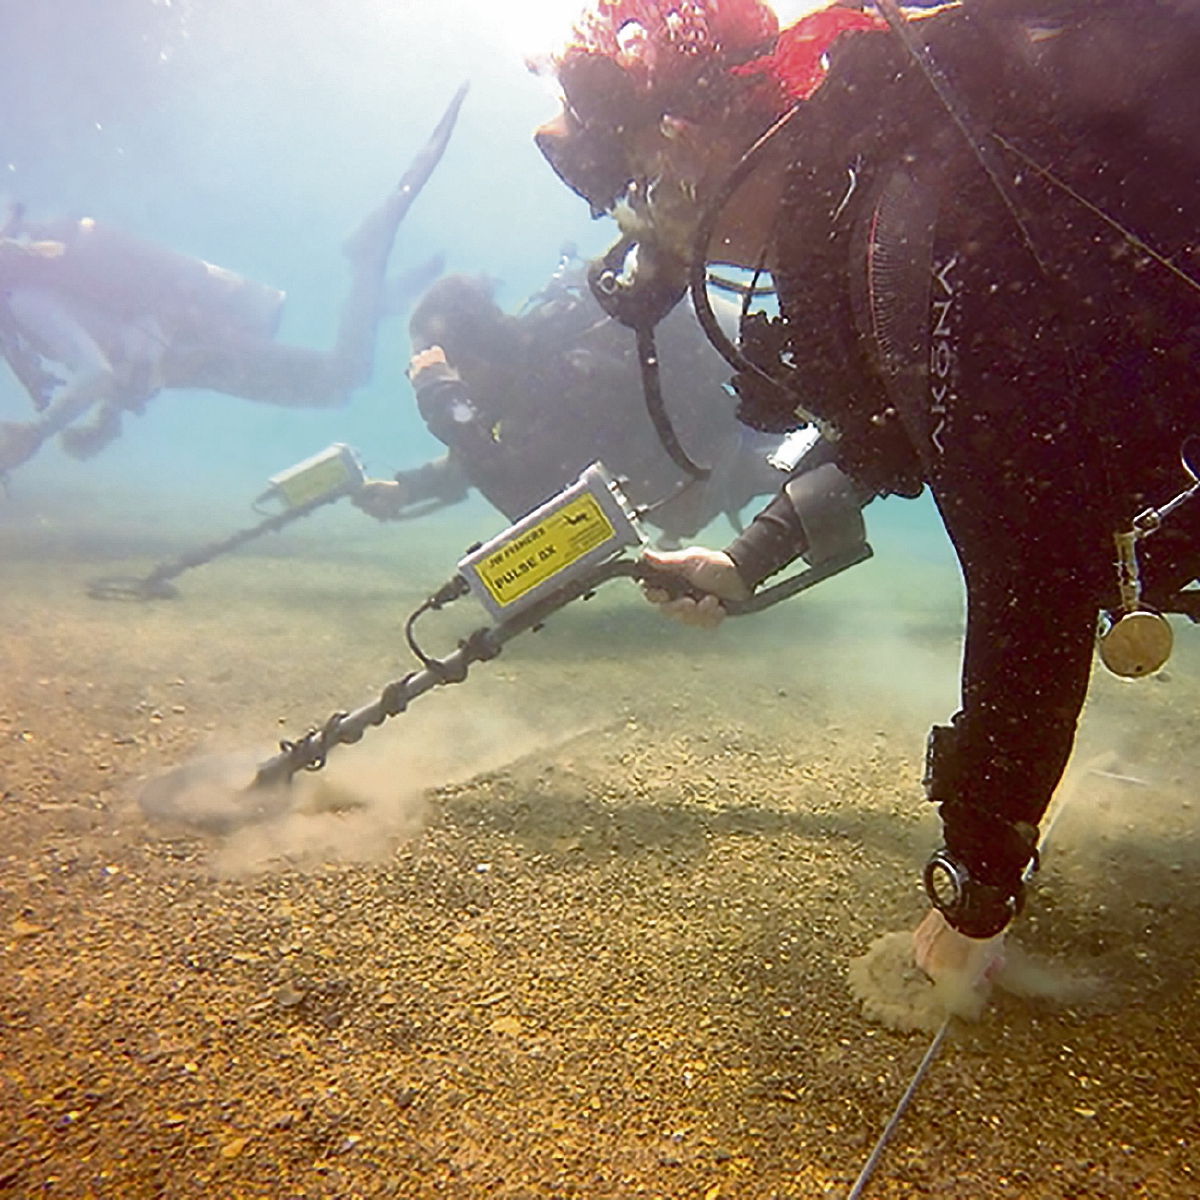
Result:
<point x="679" y="562"/>
<point x="701" y="614"/>
<point x="379" y="498"/>
<point x="429" y="357"/>
<point x="709" y="570"/>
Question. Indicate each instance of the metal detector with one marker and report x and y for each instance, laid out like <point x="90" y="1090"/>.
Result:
<point x="322" y="479"/>
<point x="561" y="552"/>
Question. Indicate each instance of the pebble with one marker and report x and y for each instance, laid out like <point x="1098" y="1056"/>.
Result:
<point x="287" y="996"/>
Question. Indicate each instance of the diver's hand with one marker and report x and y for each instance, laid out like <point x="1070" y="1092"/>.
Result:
<point x="707" y="570"/>
<point x="944" y="953"/>
<point x="428" y="366"/>
<point x="383" y="499"/>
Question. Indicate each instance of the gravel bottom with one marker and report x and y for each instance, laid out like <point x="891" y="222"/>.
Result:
<point x="580" y="927"/>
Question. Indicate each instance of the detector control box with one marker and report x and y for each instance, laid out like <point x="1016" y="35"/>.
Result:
<point x="587" y="523"/>
<point x="336" y="471"/>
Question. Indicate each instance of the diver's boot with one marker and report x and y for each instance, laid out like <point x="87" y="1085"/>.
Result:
<point x="19" y="443"/>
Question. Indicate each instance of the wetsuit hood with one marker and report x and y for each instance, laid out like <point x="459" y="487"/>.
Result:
<point x="638" y="75"/>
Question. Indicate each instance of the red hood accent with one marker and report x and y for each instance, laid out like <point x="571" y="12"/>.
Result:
<point x="662" y="43"/>
<point x="795" y="65"/>
<point x="663" y="46"/>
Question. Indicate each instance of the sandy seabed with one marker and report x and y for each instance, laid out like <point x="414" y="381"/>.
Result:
<point x="579" y="927"/>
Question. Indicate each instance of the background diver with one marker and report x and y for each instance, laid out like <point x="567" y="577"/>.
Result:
<point x="524" y="403"/>
<point x="981" y="225"/>
<point x="123" y="318"/>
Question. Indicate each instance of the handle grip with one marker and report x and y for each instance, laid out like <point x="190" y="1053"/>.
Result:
<point x="675" y="585"/>
<point x="672" y="583"/>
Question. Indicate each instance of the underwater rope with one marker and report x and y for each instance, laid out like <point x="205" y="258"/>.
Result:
<point x="1132" y="238"/>
<point x="868" y="1168"/>
<point x="864" y="1176"/>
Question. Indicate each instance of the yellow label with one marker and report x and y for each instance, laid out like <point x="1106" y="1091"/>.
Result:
<point x="562" y="538"/>
<point x="318" y="480"/>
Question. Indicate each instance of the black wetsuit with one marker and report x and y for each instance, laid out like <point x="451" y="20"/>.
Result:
<point x="1042" y="382"/>
<point x="565" y="391"/>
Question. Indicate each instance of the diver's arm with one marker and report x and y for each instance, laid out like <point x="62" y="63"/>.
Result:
<point x="439" y="482"/>
<point x="445" y="405"/>
<point x="769" y="543"/>
<point x="93" y="380"/>
<point x="496" y="462"/>
<point x="817" y="514"/>
<point x="448" y="412"/>
<point x="442" y="479"/>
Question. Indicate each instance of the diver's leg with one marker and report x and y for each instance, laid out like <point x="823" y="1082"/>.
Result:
<point x="258" y="370"/>
<point x="370" y="245"/>
<point x="86" y="441"/>
<point x="299" y="376"/>
<point x="53" y="328"/>
<point x="353" y="355"/>
<point x="270" y="372"/>
<point x="368" y="250"/>
<point x="140" y="376"/>
<point x="296" y="376"/>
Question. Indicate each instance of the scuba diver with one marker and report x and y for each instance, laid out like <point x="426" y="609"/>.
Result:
<point x="123" y="318"/>
<point x="981" y="223"/>
<point x="525" y="402"/>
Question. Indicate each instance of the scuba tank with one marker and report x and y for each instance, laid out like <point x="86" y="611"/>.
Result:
<point x="122" y="273"/>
